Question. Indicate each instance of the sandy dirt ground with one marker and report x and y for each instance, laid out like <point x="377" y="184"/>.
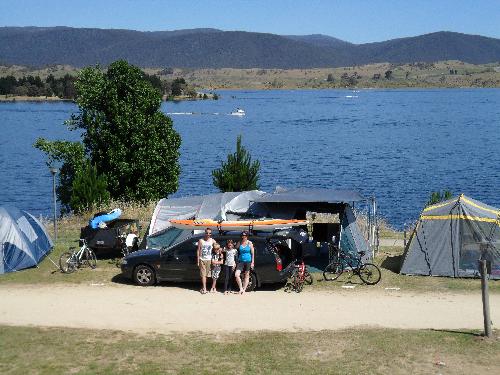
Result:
<point x="167" y="309"/>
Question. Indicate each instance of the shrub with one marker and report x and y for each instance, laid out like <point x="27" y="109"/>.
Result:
<point x="89" y="189"/>
<point x="238" y="173"/>
<point x="437" y="196"/>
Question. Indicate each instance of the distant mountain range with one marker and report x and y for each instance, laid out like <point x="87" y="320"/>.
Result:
<point x="212" y="48"/>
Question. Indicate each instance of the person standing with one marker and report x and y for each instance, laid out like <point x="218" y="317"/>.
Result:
<point x="217" y="260"/>
<point x="246" y="260"/>
<point x="204" y="258"/>
<point x="229" y="265"/>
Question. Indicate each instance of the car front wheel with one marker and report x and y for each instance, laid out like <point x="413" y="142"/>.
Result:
<point x="144" y="275"/>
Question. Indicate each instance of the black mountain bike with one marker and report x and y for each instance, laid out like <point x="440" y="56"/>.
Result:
<point x="345" y="262"/>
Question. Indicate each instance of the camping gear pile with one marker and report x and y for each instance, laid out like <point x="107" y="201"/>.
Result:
<point x="23" y="240"/>
<point x="106" y="232"/>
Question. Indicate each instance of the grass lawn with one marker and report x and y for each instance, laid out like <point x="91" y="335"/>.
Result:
<point x="358" y="351"/>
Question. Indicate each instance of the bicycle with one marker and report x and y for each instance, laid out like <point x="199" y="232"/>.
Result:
<point x="369" y="273"/>
<point x="75" y="258"/>
<point x="299" y="276"/>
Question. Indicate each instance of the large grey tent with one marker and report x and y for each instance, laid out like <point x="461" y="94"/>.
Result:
<point x="283" y="204"/>
<point x="23" y="240"/>
<point x="450" y="238"/>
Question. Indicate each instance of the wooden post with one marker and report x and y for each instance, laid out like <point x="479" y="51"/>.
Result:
<point x="486" y="298"/>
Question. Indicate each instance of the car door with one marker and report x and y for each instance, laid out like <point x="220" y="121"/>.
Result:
<point x="179" y="262"/>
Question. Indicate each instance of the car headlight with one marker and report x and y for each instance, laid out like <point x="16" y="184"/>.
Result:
<point x="124" y="261"/>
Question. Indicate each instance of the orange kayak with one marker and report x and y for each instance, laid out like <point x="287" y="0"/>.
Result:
<point x="262" y="225"/>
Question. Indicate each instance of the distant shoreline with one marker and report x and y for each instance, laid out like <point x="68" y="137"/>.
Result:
<point x="24" y="98"/>
<point x="42" y="99"/>
<point x="379" y="76"/>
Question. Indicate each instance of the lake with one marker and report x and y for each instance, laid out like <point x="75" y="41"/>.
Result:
<point x="396" y="145"/>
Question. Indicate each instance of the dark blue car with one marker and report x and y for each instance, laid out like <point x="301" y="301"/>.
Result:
<point x="273" y="253"/>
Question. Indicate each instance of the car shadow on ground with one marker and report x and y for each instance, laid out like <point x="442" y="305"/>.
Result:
<point x="195" y="286"/>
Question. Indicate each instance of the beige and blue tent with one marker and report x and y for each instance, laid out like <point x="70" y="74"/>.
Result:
<point x="451" y="237"/>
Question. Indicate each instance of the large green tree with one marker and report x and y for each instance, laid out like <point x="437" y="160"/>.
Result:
<point x="125" y="134"/>
<point x="131" y="143"/>
<point x="238" y="173"/>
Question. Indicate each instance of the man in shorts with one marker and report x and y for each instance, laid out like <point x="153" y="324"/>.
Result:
<point x="204" y="257"/>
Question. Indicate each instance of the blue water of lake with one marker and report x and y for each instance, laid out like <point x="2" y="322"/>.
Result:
<point x="396" y="145"/>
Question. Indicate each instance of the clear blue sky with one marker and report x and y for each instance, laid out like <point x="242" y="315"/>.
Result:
<point x="355" y="21"/>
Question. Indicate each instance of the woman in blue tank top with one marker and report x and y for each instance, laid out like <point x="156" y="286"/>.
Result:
<point x="246" y="260"/>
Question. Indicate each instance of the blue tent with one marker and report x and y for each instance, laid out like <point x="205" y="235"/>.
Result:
<point x="23" y="240"/>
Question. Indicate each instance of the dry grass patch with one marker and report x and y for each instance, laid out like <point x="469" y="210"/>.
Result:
<point x="361" y="351"/>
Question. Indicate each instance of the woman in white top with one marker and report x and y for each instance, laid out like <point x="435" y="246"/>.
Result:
<point x="229" y="265"/>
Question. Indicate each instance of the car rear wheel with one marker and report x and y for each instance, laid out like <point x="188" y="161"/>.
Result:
<point x="144" y="275"/>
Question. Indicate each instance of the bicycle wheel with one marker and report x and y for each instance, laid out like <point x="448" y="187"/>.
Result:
<point x="290" y="283"/>
<point x="67" y="262"/>
<point x="297" y="282"/>
<point x="90" y="259"/>
<point x="369" y="273"/>
<point x="333" y="271"/>
<point x="308" y="279"/>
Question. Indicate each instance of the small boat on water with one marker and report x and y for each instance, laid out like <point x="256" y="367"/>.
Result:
<point x="238" y="112"/>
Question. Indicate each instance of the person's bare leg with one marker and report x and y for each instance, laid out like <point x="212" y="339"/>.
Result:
<point x="247" y="278"/>
<point x="214" y="289"/>
<point x="238" y="280"/>
<point x="204" y="284"/>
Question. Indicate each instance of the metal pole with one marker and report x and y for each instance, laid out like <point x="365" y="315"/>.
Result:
<point x="54" y="171"/>
<point x="486" y="298"/>
<point x="369" y="223"/>
<point x="375" y="226"/>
